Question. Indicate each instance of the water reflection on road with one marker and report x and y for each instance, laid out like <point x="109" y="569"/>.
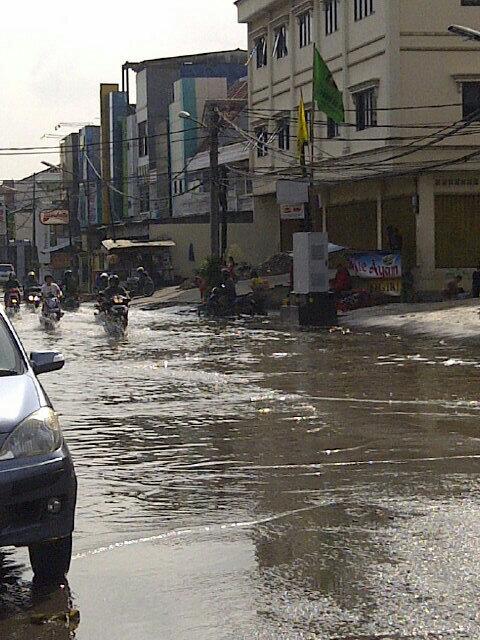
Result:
<point x="240" y="481"/>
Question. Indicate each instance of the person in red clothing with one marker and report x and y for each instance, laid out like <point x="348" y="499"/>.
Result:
<point x="231" y="269"/>
<point x="342" y="281"/>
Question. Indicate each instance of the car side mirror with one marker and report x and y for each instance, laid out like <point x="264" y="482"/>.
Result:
<point x="46" y="361"/>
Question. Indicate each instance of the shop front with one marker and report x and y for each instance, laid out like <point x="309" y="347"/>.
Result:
<point x="123" y="257"/>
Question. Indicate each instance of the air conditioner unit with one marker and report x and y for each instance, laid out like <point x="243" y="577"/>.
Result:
<point x="310" y="263"/>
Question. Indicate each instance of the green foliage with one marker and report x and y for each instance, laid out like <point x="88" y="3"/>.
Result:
<point x="211" y="270"/>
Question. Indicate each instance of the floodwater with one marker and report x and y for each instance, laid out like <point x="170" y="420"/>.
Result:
<point x="237" y="481"/>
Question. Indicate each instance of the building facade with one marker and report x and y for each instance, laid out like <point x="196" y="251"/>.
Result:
<point x="405" y="156"/>
<point x="155" y="80"/>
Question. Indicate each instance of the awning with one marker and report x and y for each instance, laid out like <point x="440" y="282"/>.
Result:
<point x="118" y="245"/>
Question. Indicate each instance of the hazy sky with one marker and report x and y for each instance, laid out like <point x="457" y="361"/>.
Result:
<point x="55" y="54"/>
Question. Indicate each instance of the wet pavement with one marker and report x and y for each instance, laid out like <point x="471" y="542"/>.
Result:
<point x="242" y="482"/>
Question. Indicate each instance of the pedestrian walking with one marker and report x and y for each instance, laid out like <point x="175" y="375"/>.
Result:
<point x="476" y="283"/>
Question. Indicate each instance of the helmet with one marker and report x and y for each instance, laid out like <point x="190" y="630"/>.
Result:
<point x="68" y="272"/>
<point x="104" y="276"/>
<point x="114" y="280"/>
<point x="140" y="270"/>
<point x="31" y="274"/>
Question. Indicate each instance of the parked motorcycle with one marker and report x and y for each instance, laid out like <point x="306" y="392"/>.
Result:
<point x="12" y="302"/>
<point x="116" y="316"/>
<point x="33" y="299"/>
<point x="51" y="313"/>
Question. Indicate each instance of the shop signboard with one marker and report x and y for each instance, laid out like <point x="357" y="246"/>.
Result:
<point x="292" y="211"/>
<point x="55" y="216"/>
<point x="381" y="271"/>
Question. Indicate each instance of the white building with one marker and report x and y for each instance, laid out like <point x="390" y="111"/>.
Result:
<point x="406" y="155"/>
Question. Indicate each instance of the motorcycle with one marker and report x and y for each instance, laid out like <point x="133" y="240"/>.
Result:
<point x="12" y="303"/>
<point x="219" y="305"/>
<point x="139" y="290"/>
<point x="71" y="303"/>
<point x="33" y="299"/>
<point x="116" y="316"/>
<point x="51" y="313"/>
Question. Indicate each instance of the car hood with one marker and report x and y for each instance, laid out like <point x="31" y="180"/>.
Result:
<point x="20" y="396"/>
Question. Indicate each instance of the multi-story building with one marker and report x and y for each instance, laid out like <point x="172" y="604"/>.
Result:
<point x="155" y="81"/>
<point x="189" y="226"/>
<point x="35" y="194"/>
<point x="405" y="156"/>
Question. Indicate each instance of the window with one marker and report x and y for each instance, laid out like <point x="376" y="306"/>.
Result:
<point x="284" y="135"/>
<point x="470" y="99"/>
<point x="280" y="49"/>
<point x="10" y="356"/>
<point x="470" y="3"/>
<point x="142" y="139"/>
<point x="261" y="51"/>
<point x="305" y="29"/>
<point x="363" y="8"/>
<point x="332" y="129"/>
<point x="331" y="17"/>
<point x="366" y="109"/>
<point x="262" y="137"/>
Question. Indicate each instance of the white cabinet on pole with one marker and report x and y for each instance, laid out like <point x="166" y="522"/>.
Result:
<point x="310" y="263"/>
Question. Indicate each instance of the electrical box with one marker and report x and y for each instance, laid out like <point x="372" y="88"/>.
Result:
<point x="310" y="263"/>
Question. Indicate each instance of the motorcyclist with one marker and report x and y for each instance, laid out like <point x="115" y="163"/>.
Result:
<point x="102" y="282"/>
<point x="50" y="290"/>
<point x="69" y="285"/>
<point x="12" y="285"/>
<point x="114" y="289"/>
<point x="229" y="288"/>
<point x="142" y="279"/>
<point x="30" y="282"/>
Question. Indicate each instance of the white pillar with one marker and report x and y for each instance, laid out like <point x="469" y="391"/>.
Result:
<point x="426" y="233"/>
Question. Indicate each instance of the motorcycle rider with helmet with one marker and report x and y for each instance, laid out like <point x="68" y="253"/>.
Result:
<point x="114" y="289"/>
<point x="30" y="282"/>
<point x="11" y="286"/>
<point x="102" y="282"/>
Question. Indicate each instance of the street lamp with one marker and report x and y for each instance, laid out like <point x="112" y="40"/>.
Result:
<point x="464" y="32"/>
<point x="214" y="178"/>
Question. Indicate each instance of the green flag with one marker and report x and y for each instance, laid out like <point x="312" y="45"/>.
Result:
<point x="327" y="96"/>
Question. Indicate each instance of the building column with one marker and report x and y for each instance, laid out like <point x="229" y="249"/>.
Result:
<point x="425" y="233"/>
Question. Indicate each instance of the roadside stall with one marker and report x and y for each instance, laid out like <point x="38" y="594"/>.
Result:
<point x="376" y="277"/>
<point x="125" y="256"/>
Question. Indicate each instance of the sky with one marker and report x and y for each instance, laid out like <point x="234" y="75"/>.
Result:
<point x="54" y="58"/>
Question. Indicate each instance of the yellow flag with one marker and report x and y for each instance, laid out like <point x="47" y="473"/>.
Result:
<point x="302" y="136"/>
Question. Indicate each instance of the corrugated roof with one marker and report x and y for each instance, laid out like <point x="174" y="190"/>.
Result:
<point x="117" y="245"/>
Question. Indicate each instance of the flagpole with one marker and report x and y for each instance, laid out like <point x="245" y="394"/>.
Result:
<point x="311" y="208"/>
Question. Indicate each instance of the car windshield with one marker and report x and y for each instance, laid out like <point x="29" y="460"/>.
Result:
<point x="6" y="268"/>
<point x="11" y="362"/>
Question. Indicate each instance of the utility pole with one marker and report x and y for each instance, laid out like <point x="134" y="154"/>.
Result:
<point x="214" y="185"/>
<point x="223" y="198"/>
<point x="34" y="221"/>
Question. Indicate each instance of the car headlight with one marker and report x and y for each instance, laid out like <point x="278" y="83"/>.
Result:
<point x="37" y="435"/>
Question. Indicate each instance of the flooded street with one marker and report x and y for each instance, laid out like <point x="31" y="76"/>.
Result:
<point x="242" y="482"/>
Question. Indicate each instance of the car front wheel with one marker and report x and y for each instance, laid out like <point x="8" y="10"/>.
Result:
<point x="51" y="560"/>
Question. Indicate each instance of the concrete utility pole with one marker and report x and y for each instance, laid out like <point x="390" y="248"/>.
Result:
<point x="34" y="221"/>
<point x="214" y="185"/>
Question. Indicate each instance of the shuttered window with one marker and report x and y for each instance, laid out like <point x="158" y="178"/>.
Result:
<point x="457" y="231"/>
